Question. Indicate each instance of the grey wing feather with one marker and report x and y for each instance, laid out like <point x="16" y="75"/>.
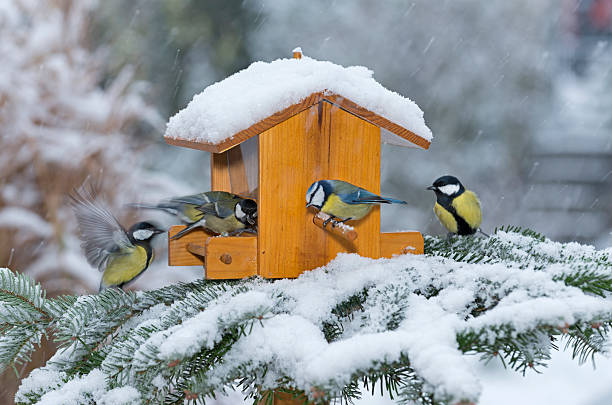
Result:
<point x="221" y="209"/>
<point x="352" y="194"/>
<point x="100" y="232"/>
<point x="196" y="199"/>
<point x="206" y="198"/>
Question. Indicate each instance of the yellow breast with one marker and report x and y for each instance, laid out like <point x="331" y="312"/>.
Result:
<point x="467" y="207"/>
<point x="446" y="218"/>
<point x="339" y="209"/>
<point x="223" y="225"/>
<point x="123" y="268"/>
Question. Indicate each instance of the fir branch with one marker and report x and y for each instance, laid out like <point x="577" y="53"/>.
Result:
<point x="589" y="280"/>
<point x="23" y="318"/>
<point x="587" y="340"/>
<point x="122" y="334"/>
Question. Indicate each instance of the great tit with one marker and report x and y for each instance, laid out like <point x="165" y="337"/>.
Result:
<point x="121" y="255"/>
<point x="342" y="200"/>
<point x="217" y="211"/>
<point x="457" y="209"/>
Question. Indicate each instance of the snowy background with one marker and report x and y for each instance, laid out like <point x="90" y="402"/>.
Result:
<point x="518" y="95"/>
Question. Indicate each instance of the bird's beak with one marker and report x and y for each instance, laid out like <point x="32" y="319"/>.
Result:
<point x="433" y="188"/>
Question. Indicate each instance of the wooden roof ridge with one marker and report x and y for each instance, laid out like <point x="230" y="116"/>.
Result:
<point x="280" y="116"/>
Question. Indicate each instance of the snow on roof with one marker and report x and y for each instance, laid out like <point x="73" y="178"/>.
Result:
<point x="257" y="92"/>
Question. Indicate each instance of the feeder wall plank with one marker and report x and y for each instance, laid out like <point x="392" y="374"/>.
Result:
<point x="292" y="155"/>
<point x="397" y="243"/>
<point x="242" y="254"/>
<point x="354" y="156"/>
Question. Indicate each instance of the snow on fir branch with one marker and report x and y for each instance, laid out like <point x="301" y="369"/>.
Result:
<point x="404" y="325"/>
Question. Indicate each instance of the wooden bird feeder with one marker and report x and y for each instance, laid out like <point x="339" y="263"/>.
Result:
<point x="279" y="153"/>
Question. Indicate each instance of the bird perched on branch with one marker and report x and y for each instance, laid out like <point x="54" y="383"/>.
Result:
<point x="343" y="201"/>
<point x="457" y="209"/>
<point x="121" y="255"/>
<point x="217" y="211"/>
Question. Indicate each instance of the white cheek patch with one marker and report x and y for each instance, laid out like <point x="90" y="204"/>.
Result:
<point x="318" y="197"/>
<point x="309" y="194"/>
<point x="449" y="189"/>
<point x="238" y="212"/>
<point x="143" y="234"/>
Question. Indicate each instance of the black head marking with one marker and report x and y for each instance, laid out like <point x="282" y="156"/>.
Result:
<point x="246" y="211"/>
<point x="143" y="231"/>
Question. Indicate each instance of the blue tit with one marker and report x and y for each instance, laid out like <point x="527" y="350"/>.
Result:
<point x="121" y="255"/>
<point x="457" y="209"/>
<point x="343" y="201"/>
<point x="217" y="211"/>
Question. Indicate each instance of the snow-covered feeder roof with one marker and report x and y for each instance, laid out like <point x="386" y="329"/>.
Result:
<point x="265" y="94"/>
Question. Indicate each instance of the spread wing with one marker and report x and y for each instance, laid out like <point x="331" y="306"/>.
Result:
<point x="100" y="232"/>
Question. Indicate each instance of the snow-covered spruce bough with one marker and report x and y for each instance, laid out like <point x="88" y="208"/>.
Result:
<point x="404" y="325"/>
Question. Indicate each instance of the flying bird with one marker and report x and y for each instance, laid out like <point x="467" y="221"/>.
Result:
<point x="121" y="255"/>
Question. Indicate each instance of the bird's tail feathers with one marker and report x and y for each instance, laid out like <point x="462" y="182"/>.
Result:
<point x="394" y="201"/>
<point x="166" y="207"/>
<point x="379" y="200"/>
<point x="189" y="228"/>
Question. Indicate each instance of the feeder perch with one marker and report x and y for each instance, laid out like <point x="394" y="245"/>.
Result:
<point x="343" y="230"/>
<point x="272" y="150"/>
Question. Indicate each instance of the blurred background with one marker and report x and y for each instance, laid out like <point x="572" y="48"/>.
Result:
<point x="518" y="95"/>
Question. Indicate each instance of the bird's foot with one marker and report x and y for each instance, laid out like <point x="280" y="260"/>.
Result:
<point x="241" y="231"/>
<point x="335" y="222"/>
<point x="328" y="220"/>
<point x="483" y="233"/>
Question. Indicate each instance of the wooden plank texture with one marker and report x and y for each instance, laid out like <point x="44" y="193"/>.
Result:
<point x="283" y="398"/>
<point x="219" y="172"/>
<point x="377" y="120"/>
<point x="292" y="155"/>
<point x="197" y="249"/>
<point x="231" y="257"/>
<point x="237" y="171"/>
<point x="354" y="156"/>
<point x="398" y="243"/>
<point x="324" y="142"/>
<point x="178" y="255"/>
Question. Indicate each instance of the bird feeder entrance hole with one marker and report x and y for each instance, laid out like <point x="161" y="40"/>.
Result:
<point x="276" y="167"/>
